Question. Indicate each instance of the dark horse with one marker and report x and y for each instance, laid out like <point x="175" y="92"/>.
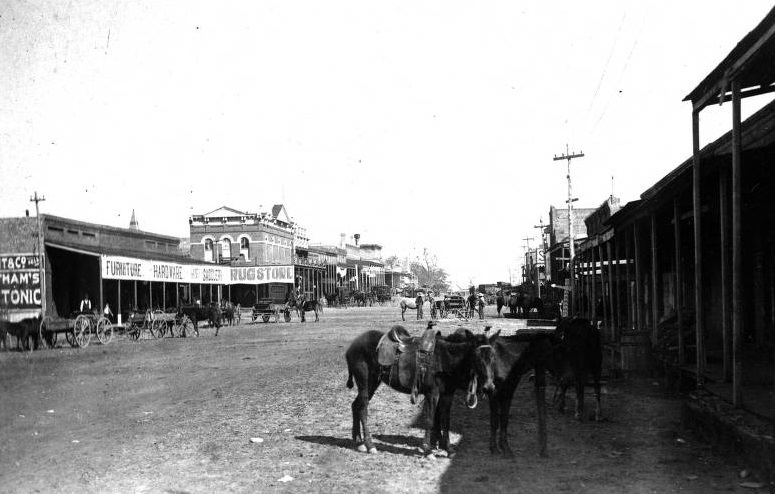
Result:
<point x="451" y="368"/>
<point x="505" y="361"/>
<point x="211" y="314"/>
<point x="301" y="305"/>
<point x="500" y="301"/>
<point x="581" y="357"/>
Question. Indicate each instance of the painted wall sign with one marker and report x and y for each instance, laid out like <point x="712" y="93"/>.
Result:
<point x="20" y="281"/>
<point x="127" y="268"/>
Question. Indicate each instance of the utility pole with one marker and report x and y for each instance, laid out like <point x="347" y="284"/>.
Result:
<point x="571" y="239"/>
<point x="543" y="250"/>
<point x="527" y="271"/>
<point x="41" y="260"/>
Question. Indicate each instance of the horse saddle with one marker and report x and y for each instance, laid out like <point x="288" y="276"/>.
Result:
<point x="409" y="358"/>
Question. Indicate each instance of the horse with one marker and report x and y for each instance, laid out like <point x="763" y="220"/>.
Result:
<point x="408" y="303"/>
<point x="500" y="301"/>
<point x="582" y="356"/>
<point x="210" y="313"/>
<point x="302" y="306"/>
<point x="505" y="360"/>
<point x="227" y="313"/>
<point x="331" y="299"/>
<point x="359" y="298"/>
<point x="451" y="368"/>
<point x="529" y="302"/>
<point x="471" y="303"/>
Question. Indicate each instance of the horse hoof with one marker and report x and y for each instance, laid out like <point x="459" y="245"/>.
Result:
<point x="373" y="451"/>
<point x="361" y="448"/>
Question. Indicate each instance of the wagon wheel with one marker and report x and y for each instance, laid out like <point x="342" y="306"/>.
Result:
<point x="49" y="337"/>
<point x="134" y="331"/>
<point x="187" y="329"/>
<point x="104" y="330"/>
<point x="265" y="317"/>
<point x="158" y="328"/>
<point x="82" y="331"/>
<point x="461" y="315"/>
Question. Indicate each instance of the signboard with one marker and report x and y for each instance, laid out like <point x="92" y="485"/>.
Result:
<point x="20" y="281"/>
<point x="128" y="268"/>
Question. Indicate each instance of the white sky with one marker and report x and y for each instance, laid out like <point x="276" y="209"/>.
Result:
<point x="416" y="124"/>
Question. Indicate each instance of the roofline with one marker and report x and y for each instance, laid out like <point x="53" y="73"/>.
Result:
<point x="117" y="229"/>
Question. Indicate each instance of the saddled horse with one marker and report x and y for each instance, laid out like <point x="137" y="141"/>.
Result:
<point x="450" y="367"/>
<point x="505" y="361"/>
<point x="409" y="303"/>
<point x="302" y="306"/>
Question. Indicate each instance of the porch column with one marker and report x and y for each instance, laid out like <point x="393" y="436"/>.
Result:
<point x="613" y="319"/>
<point x="654" y="274"/>
<point x="679" y="281"/>
<point x="638" y="277"/>
<point x="726" y="328"/>
<point x="592" y="283"/>
<point x="628" y="289"/>
<point x="696" y="206"/>
<point x="163" y="295"/>
<point x="737" y="251"/>
<point x="618" y="274"/>
<point x="604" y="315"/>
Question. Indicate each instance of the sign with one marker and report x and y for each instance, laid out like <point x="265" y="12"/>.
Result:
<point x="128" y="268"/>
<point x="258" y="275"/>
<point x="20" y="281"/>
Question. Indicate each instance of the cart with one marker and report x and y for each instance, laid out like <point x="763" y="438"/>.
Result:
<point x="268" y="310"/>
<point x="171" y="321"/>
<point x="138" y="323"/>
<point x="78" y="329"/>
<point x="455" y="307"/>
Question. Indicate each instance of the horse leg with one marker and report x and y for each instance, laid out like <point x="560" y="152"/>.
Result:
<point x="430" y="406"/>
<point x="581" y="380"/>
<point x="504" y="404"/>
<point x="443" y="411"/>
<point x="494" y="423"/>
<point x="403" y="309"/>
<point x="598" y="409"/>
<point x="317" y="318"/>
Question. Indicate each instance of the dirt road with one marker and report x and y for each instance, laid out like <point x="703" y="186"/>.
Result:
<point x="178" y="415"/>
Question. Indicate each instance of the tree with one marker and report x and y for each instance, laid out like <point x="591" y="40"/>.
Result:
<point x="428" y="272"/>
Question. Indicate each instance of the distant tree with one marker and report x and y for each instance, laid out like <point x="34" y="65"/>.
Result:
<point x="428" y="272"/>
<point x="391" y="262"/>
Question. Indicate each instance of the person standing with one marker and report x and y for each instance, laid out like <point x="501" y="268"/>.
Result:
<point x="419" y="303"/>
<point x="85" y="304"/>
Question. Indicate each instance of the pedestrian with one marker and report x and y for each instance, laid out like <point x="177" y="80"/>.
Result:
<point x="85" y="304"/>
<point x="107" y="312"/>
<point x="419" y="303"/>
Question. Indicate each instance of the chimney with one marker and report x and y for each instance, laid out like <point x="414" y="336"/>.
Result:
<point x="357" y="237"/>
<point x="342" y="241"/>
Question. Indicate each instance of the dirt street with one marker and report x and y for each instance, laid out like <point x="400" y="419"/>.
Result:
<point x="264" y="408"/>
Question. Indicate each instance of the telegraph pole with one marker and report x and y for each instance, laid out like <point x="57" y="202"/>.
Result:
<point x="571" y="239"/>
<point x="527" y="272"/>
<point x="543" y="250"/>
<point x="41" y="260"/>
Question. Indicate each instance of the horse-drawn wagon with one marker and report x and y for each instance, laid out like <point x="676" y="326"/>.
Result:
<point x="78" y="329"/>
<point x="268" y="309"/>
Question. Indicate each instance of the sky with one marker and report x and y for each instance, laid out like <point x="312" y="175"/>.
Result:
<point x="419" y="125"/>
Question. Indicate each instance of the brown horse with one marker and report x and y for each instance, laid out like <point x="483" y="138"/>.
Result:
<point x="451" y="368"/>
<point x="301" y="305"/>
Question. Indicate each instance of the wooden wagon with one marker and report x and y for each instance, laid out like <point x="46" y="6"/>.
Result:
<point x="171" y="321"/>
<point x="267" y="310"/>
<point x="78" y="329"/>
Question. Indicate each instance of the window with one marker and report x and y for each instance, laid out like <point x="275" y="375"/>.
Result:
<point x="226" y="248"/>
<point x="244" y="247"/>
<point x="208" y="250"/>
